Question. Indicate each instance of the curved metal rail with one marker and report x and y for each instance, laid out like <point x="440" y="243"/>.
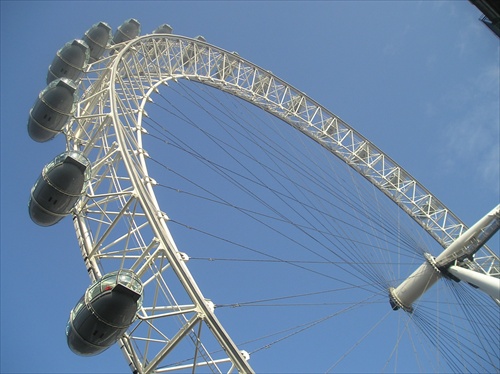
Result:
<point x="108" y="128"/>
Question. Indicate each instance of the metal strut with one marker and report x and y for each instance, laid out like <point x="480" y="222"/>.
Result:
<point x="448" y="264"/>
<point x="158" y="225"/>
<point x="485" y="283"/>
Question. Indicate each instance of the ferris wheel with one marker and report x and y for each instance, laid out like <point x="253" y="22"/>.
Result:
<point x="102" y="93"/>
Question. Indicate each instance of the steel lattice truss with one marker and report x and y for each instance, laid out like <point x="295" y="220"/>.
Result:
<point x="119" y="223"/>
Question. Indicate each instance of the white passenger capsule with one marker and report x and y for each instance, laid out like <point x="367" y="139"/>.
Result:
<point x="163" y="29"/>
<point x="70" y="61"/>
<point x="98" y="37"/>
<point x="128" y="30"/>
<point x="62" y="182"/>
<point x="52" y="110"/>
<point x="104" y="313"/>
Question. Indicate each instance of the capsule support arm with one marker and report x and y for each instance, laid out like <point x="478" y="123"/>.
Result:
<point x="467" y="244"/>
<point x="486" y="283"/>
<point x="431" y="270"/>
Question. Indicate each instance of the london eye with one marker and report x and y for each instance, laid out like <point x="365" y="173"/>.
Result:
<point x="209" y="184"/>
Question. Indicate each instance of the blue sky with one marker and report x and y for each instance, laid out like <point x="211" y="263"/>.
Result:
<point x="419" y="79"/>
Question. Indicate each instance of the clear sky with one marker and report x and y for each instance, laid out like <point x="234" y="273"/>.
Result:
<point x="420" y="79"/>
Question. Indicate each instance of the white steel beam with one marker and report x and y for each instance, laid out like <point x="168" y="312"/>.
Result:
<point x="485" y="283"/>
<point x="430" y="271"/>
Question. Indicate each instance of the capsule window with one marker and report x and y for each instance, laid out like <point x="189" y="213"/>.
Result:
<point x="77" y="308"/>
<point x="93" y="292"/>
<point x="53" y="202"/>
<point x="97" y="332"/>
<point x="124" y="279"/>
<point x="108" y="283"/>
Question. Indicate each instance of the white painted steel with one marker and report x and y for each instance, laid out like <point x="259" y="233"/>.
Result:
<point x="485" y="283"/>
<point x="461" y="249"/>
<point x="121" y="208"/>
<point x="465" y="245"/>
<point x="414" y="286"/>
